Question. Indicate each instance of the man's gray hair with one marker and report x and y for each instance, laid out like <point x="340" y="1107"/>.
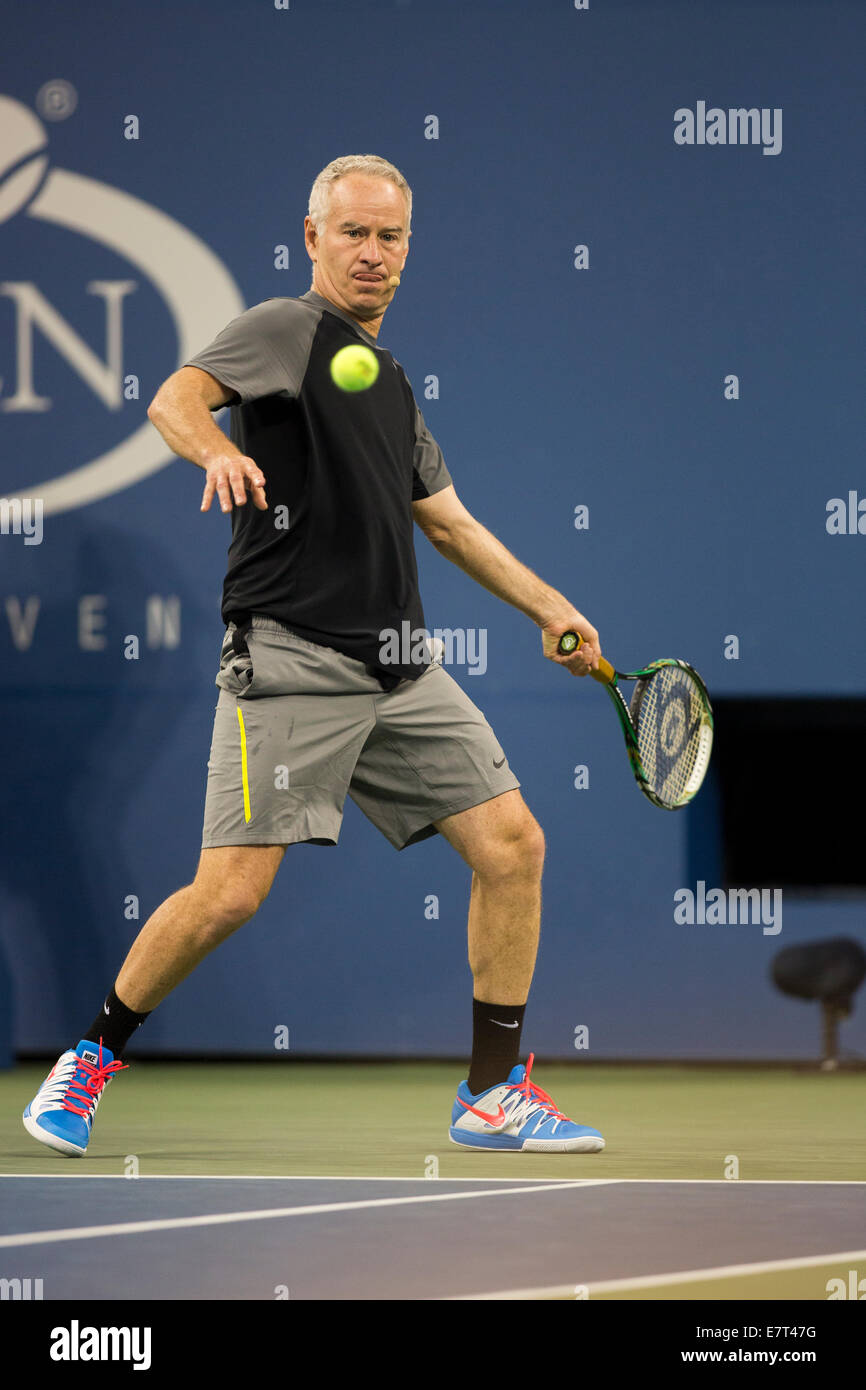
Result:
<point x="320" y="193"/>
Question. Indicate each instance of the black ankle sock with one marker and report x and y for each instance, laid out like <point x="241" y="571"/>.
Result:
<point x="496" y="1030"/>
<point x="114" y="1024"/>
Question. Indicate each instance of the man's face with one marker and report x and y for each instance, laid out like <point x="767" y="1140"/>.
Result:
<point x="363" y="242"/>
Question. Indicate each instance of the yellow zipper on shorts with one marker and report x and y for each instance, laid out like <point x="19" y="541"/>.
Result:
<point x="244" y="773"/>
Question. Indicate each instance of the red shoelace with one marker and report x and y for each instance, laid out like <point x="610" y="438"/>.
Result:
<point x="531" y="1092"/>
<point x="88" y="1081"/>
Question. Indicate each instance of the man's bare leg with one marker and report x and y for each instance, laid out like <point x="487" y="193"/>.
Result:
<point x="504" y="845"/>
<point x="229" y="887"/>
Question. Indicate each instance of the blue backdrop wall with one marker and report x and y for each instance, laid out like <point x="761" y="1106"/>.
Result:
<point x="595" y="313"/>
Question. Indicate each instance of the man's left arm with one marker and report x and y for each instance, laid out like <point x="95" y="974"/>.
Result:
<point x="462" y="539"/>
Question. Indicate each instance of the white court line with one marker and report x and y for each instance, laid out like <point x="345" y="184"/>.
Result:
<point x="657" y="1281"/>
<point x="273" y="1213"/>
<point x="356" y="1177"/>
<point x="295" y="1177"/>
<point x="747" y="1182"/>
<point x="755" y="1182"/>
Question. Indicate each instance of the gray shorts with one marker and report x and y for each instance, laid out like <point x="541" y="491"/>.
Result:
<point x="299" y="725"/>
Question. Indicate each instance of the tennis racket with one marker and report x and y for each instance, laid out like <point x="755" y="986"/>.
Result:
<point x="668" y="725"/>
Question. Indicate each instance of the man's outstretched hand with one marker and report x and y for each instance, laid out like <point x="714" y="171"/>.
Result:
<point x="587" y="656"/>
<point x="231" y="477"/>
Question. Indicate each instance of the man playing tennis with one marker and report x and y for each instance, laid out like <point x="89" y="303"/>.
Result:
<point x="323" y="487"/>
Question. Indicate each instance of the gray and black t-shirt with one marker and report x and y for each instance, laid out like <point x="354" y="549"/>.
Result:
<point x="333" y="557"/>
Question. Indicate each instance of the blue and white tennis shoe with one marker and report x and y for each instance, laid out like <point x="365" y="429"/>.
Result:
<point x="61" y="1113"/>
<point x="517" y="1114"/>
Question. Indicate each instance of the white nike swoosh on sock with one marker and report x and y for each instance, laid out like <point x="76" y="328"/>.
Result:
<point x="515" y="1024"/>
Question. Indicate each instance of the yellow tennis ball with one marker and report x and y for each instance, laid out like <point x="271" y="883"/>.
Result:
<point x="354" y="368"/>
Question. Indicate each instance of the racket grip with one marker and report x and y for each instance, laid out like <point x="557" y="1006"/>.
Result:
<point x="605" y="673"/>
<point x="573" y="642"/>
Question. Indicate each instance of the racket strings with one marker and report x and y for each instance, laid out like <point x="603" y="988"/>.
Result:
<point x="668" y="713"/>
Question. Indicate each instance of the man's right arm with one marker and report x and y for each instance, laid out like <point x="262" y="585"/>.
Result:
<point x="181" y="411"/>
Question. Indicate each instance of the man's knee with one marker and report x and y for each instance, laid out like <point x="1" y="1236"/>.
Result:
<point x="232" y="884"/>
<point x="233" y="906"/>
<point x="516" y="849"/>
<point x="530" y="843"/>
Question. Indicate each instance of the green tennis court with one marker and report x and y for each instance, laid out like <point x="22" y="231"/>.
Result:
<point x="389" y="1119"/>
<point x="717" y="1183"/>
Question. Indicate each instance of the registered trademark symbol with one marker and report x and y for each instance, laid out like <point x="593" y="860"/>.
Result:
<point x="56" y="99"/>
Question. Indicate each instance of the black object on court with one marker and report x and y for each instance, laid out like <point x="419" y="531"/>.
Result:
<point x="828" y="971"/>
